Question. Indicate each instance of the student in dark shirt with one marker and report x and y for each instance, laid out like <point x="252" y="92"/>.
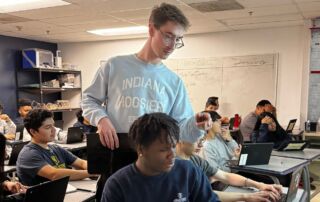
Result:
<point x="24" y="106"/>
<point x="156" y="175"/>
<point x="39" y="161"/>
<point x="267" y="129"/>
<point x="84" y="124"/>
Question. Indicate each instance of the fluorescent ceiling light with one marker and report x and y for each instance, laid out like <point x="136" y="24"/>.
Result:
<point x="120" y="31"/>
<point x="7" y="6"/>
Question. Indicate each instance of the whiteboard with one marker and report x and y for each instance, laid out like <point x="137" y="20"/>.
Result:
<point x="239" y="81"/>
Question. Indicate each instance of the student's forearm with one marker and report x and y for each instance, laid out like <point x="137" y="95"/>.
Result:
<point x="74" y="174"/>
<point x="230" y="196"/>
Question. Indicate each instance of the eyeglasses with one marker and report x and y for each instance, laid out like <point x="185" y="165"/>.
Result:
<point x="169" y="39"/>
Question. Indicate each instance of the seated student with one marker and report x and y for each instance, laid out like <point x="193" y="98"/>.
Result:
<point x="84" y="124"/>
<point x="267" y="129"/>
<point x="7" y="127"/>
<point x="39" y="161"/>
<point x="219" y="146"/>
<point x="249" y="121"/>
<point x="186" y="150"/>
<point x="212" y="105"/>
<point x="7" y="187"/>
<point x="157" y="175"/>
<point x="24" y="106"/>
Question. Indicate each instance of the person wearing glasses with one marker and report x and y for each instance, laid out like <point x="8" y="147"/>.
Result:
<point x="132" y="85"/>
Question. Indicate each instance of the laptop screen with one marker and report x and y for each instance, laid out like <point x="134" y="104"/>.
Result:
<point x="294" y="184"/>
<point x="291" y="125"/>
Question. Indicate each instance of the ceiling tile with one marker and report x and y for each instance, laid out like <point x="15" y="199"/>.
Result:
<point x="267" y="25"/>
<point x="34" y="28"/>
<point x="264" y="19"/>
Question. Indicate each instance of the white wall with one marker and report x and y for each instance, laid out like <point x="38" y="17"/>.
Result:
<point x="289" y="42"/>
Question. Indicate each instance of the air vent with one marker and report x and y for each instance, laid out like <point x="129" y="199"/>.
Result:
<point x="7" y="19"/>
<point x="216" y="5"/>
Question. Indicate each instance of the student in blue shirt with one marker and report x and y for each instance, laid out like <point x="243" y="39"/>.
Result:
<point x="157" y="175"/>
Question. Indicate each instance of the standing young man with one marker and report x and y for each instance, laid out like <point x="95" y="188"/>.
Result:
<point x="157" y="175"/>
<point x="140" y="83"/>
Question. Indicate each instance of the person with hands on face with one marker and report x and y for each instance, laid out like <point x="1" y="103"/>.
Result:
<point x="187" y="151"/>
<point x="219" y="146"/>
<point x="268" y="129"/>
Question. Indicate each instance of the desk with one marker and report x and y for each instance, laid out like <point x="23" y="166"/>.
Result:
<point x="277" y="166"/>
<point x="301" y="194"/>
<point x="297" y="134"/>
<point x="81" y="195"/>
<point x="306" y="154"/>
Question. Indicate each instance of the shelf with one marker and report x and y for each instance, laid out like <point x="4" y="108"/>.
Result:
<point x="54" y="70"/>
<point x="46" y="90"/>
<point x="65" y="110"/>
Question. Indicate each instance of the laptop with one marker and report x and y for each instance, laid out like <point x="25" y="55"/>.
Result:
<point x="231" y="123"/>
<point x="96" y="154"/>
<point x="253" y="154"/>
<point x="50" y="191"/>
<point x="293" y="146"/>
<point x="290" y="126"/>
<point x="19" y="132"/>
<point x="16" y="148"/>
<point x="74" y="135"/>
<point x="99" y="157"/>
<point x="286" y="196"/>
<point x="293" y="187"/>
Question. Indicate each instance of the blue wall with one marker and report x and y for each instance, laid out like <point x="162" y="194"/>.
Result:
<point x="10" y="59"/>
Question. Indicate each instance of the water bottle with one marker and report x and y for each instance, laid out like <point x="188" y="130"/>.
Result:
<point x="236" y="121"/>
<point x="308" y="126"/>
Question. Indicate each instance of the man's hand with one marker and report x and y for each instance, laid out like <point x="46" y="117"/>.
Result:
<point x="275" y="188"/>
<point x="5" y="117"/>
<point x="107" y="134"/>
<point x="261" y="196"/>
<point x="10" y="136"/>
<point x="203" y="121"/>
<point x="237" y="151"/>
<point x="14" y="187"/>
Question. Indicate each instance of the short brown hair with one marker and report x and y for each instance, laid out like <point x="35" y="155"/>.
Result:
<point x="167" y="12"/>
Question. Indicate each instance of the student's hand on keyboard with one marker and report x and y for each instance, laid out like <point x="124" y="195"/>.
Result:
<point x="275" y="188"/>
<point x="264" y="196"/>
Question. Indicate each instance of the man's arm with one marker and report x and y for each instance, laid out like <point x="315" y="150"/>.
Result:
<point x="240" y="181"/>
<point x="53" y="173"/>
<point x="80" y="164"/>
<point x="93" y="97"/>
<point x="248" y="197"/>
<point x="190" y="128"/>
